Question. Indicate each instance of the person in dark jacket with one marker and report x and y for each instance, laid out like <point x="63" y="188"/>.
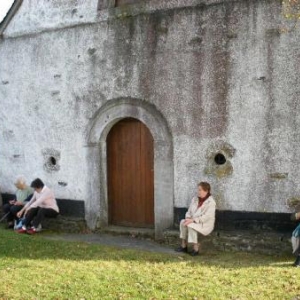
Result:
<point x="296" y="240"/>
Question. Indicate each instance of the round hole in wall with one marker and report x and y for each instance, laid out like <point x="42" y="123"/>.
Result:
<point x="220" y="159"/>
<point x="52" y="160"/>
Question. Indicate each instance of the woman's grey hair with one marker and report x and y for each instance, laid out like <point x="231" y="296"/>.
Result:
<point x="20" y="179"/>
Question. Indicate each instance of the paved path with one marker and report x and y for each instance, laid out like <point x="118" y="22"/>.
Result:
<point x="112" y="240"/>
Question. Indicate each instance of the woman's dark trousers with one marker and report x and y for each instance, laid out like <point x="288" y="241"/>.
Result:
<point x="12" y="211"/>
<point x="36" y="215"/>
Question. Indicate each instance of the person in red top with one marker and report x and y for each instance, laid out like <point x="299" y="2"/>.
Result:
<point x="41" y="205"/>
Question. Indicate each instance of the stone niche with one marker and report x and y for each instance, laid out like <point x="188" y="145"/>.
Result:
<point x="51" y="160"/>
<point x="219" y="155"/>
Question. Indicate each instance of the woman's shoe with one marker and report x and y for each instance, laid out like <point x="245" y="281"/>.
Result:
<point x="194" y="253"/>
<point x="32" y="230"/>
<point x="181" y="249"/>
<point x="22" y="230"/>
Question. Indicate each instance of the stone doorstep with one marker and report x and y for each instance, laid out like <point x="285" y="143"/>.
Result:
<point x="131" y="231"/>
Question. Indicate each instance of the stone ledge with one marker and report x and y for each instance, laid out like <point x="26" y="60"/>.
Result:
<point x="263" y="242"/>
<point x="65" y="224"/>
<point x="271" y="243"/>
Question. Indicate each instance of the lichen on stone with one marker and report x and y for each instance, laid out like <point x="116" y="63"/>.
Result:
<point x="279" y="175"/>
<point x="293" y="202"/>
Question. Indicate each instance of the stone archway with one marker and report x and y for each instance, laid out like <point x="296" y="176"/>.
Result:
<point x="96" y="207"/>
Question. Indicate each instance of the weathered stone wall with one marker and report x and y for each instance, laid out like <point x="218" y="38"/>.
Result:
<point x="224" y="74"/>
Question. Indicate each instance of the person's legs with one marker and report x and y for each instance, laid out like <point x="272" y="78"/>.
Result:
<point x="31" y="213"/>
<point x="183" y="234"/>
<point x="14" y="210"/>
<point x="193" y="239"/>
<point x="42" y="213"/>
<point x="192" y="235"/>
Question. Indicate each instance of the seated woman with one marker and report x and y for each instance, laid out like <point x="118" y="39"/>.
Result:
<point x="14" y="206"/>
<point x="41" y="205"/>
<point x="200" y="218"/>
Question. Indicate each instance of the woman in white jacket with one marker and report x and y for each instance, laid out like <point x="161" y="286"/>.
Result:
<point x="200" y="218"/>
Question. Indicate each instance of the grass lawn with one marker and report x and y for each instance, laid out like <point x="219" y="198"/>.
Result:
<point x="32" y="267"/>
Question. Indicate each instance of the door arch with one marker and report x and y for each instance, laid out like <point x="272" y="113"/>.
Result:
<point x="130" y="174"/>
<point x="110" y="113"/>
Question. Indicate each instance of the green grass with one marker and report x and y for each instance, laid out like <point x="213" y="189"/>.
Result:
<point x="32" y="267"/>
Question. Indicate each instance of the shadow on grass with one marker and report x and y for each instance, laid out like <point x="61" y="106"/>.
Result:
<point x="17" y="246"/>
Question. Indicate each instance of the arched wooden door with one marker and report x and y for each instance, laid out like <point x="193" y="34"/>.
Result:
<point x="130" y="176"/>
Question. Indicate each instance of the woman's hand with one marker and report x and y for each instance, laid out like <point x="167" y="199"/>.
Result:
<point x="187" y="222"/>
<point x="19" y="214"/>
<point x="19" y="203"/>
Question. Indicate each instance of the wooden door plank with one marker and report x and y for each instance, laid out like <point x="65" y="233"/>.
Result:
<point x="130" y="174"/>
